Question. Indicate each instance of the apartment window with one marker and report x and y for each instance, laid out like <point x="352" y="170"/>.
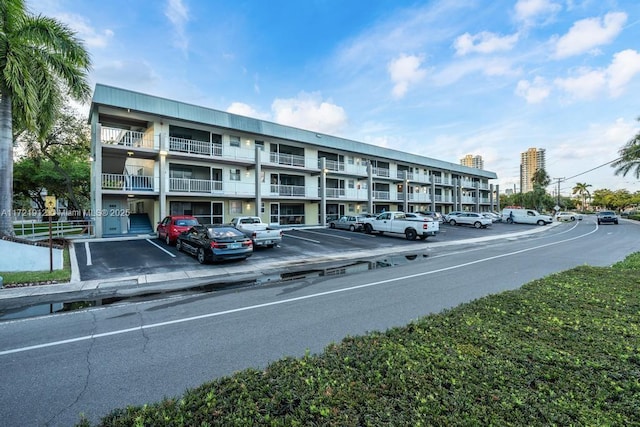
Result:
<point x="351" y="183"/>
<point x="352" y="207"/>
<point x="234" y="141"/>
<point x="260" y="144"/>
<point x="234" y="174"/>
<point x="262" y="207"/>
<point x="235" y="207"/>
<point x="350" y="160"/>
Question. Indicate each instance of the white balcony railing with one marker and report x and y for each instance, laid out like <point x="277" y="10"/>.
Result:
<point x="333" y="192"/>
<point x="381" y="195"/>
<point x="202" y="148"/>
<point x="286" y="159"/>
<point x="112" y="181"/>
<point x="332" y="165"/>
<point x="194" y="185"/>
<point x="381" y="172"/>
<point x="288" y="190"/>
<point x="126" y="138"/>
<point x="404" y="175"/>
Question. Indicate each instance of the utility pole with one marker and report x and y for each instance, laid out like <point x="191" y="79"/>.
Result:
<point x="559" y="181"/>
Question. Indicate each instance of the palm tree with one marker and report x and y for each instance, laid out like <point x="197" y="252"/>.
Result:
<point x="581" y="188"/>
<point x="629" y="157"/>
<point x="41" y="62"/>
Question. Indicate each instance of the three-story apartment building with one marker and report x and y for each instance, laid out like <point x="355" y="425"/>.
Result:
<point x="153" y="157"/>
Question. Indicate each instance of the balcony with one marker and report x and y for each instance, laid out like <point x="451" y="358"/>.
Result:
<point x="190" y="146"/>
<point x="126" y="138"/>
<point x="381" y="172"/>
<point x="404" y="175"/>
<point x="194" y="185"/>
<point x="381" y="195"/>
<point x="112" y="181"/>
<point x="333" y="192"/>
<point x="286" y="159"/>
<point x="332" y="165"/>
<point x="288" y="190"/>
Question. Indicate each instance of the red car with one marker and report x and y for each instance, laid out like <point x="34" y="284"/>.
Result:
<point x="170" y="227"/>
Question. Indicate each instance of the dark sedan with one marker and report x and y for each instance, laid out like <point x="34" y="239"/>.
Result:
<point x="607" y="217"/>
<point x="215" y="243"/>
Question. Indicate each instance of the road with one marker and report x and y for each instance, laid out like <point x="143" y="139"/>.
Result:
<point x="92" y="361"/>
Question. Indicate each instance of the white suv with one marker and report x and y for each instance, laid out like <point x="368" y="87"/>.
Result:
<point x="470" y="218"/>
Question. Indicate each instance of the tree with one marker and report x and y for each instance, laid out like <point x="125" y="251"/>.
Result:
<point x="41" y="62"/>
<point x="629" y="158"/>
<point x="539" y="196"/>
<point x="581" y="188"/>
<point x="57" y="162"/>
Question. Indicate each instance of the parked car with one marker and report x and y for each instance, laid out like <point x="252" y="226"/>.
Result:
<point x="435" y="215"/>
<point x="259" y="232"/>
<point x="607" y="217"/>
<point x="215" y="242"/>
<point x="470" y="218"/>
<point x="493" y="217"/>
<point x="450" y="215"/>
<point x="348" y="222"/>
<point x="173" y="225"/>
<point x="568" y="216"/>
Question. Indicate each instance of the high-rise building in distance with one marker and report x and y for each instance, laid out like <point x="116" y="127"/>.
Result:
<point x="530" y="161"/>
<point x="472" y="161"/>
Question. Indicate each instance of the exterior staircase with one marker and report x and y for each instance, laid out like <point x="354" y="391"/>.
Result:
<point x="140" y="224"/>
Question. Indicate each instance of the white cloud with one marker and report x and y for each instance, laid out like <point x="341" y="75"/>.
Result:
<point x="484" y="42"/>
<point x="587" y="84"/>
<point x="243" y="109"/>
<point x="178" y="15"/>
<point x="534" y="92"/>
<point x="588" y="34"/>
<point x="530" y="11"/>
<point x="623" y="68"/>
<point x="88" y="34"/>
<point x="405" y="70"/>
<point x="309" y="111"/>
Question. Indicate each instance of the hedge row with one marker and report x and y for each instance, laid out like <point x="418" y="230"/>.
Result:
<point x="563" y="350"/>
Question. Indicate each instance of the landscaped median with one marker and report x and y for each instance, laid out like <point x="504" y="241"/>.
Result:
<point x="563" y="350"/>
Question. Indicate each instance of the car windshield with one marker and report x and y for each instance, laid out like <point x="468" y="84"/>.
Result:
<point x="186" y="222"/>
<point x="221" y="232"/>
<point x="606" y="213"/>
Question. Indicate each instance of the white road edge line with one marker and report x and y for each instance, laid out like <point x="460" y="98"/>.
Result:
<point x="302" y="238"/>
<point x="161" y="248"/>
<point x="285" y="301"/>
<point x="88" y="253"/>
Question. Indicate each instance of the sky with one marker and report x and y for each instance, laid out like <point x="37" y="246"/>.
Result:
<point x="440" y="79"/>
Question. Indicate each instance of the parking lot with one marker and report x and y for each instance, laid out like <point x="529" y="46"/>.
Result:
<point x="121" y="258"/>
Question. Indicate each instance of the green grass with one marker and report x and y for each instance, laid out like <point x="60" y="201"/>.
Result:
<point x="17" y="278"/>
<point x="562" y="350"/>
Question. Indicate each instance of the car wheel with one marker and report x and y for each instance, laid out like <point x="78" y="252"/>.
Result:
<point x="477" y="224"/>
<point x="179" y="245"/>
<point x="201" y="256"/>
<point x="167" y="240"/>
<point x="598" y="222"/>
<point x="509" y="221"/>
<point x="541" y="222"/>
<point x="573" y="218"/>
<point x="411" y="234"/>
<point x="332" y="225"/>
<point x="368" y="228"/>
<point x="158" y="235"/>
<point x="452" y="222"/>
<point x="352" y="228"/>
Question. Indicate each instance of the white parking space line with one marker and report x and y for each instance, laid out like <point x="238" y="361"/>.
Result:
<point x="88" y="252"/>
<point x="161" y="248"/>
<point x="327" y="234"/>
<point x="302" y="238"/>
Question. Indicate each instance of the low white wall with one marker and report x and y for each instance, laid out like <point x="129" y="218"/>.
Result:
<point x="23" y="257"/>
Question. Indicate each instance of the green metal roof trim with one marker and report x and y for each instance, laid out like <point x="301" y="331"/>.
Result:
<point x="123" y="98"/>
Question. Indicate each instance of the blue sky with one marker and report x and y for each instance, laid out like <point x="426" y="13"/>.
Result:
<point x="436" y="78"/>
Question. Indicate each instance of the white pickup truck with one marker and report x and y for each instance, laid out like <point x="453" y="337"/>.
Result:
<point x="259" y="232"/>
<point x="398" y="223"/>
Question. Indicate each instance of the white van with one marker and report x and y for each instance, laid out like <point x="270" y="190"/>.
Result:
<point x="525" y="216"/>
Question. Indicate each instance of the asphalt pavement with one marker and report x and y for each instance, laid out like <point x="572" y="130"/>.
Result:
<point x="222" y="276"/>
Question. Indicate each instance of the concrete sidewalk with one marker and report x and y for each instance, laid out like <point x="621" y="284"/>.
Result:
<point x="219" y="276"/>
